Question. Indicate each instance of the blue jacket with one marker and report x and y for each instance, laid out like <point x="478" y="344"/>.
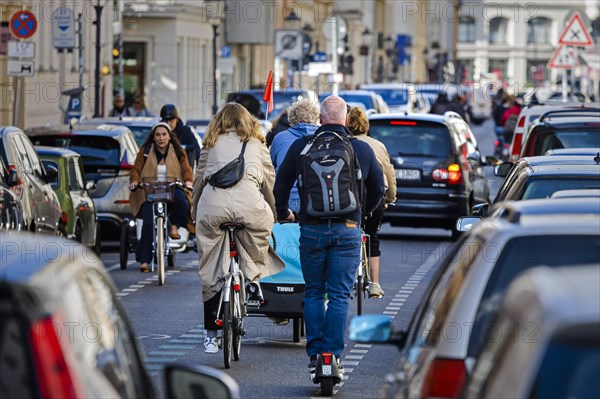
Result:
<point x="279" y="148"/>
<point x="290" y="169"/>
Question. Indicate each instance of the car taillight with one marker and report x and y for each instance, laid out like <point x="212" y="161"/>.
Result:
<point x="54" y="375"/>
<point x="403" y="123"/>
<point x="63" y="217"/>
<point x="451" y="175"/>
<point x="521" y="122"/>
<point x="516" y="146"/>
<point x="121" y="202"/>
<point x="496" y="143"/>
<point x="445" y="379"/>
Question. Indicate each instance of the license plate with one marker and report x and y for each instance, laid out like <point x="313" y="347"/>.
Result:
<point x="408" y="174"/>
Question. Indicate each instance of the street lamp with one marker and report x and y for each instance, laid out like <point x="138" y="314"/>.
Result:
<point x="98" y="23"/>
<point x="364" y="51"/>
<point x="215" y="27"/>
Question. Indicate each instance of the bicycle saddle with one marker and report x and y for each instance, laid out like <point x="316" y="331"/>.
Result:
<point x="236" y="226"/>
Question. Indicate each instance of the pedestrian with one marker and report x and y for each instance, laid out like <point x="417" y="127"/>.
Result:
<point x="358" y="125"/>
<point x="138" y="107"/>
<point x="329" y="246"/>
<point x="509" y="118"/>
<point x="119" y="108"/>
<point x="304" y="119"/>
<point x="170" y="115"/>
<point x="441" y="104"/>
<point x="280" y="124"/>
<point x="249" y="202"/>
<point x="160" y="156"/>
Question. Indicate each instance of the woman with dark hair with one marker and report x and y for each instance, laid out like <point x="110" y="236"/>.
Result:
<point x="249" y="202"/>
<point x="358" y="125"/>
<point x="161" y="155"/>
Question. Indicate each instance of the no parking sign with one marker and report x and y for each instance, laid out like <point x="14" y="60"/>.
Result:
<point x="23" y="24"/>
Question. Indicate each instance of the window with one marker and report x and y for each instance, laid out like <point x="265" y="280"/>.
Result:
<point x="466" y="30"/>
<point x="52" y="173"/>
<point x="75" y="180"/>
<point x="538" y="30"/>
<point x="537" y="71"/>
<point x="499" y="67"/>
<point x="498" y="30"/>
<point x="421" y="139"/>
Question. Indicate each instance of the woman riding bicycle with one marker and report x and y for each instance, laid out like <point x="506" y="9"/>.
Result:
<point x="161" y="155"/>
<point x="249" y="202"/>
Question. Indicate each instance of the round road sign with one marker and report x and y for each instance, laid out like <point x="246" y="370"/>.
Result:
<point x="23" y="24"/>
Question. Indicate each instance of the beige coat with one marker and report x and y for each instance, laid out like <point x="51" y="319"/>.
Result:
<point x="383" y="159"/>
<point x="249" y="202"/>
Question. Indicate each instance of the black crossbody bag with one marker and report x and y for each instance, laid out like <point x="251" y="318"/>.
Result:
<point x="230" y="174"/>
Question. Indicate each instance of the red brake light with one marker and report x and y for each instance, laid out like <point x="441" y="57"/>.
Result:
<point x="445" y="379"/>
<point x="52" y="370"/>
<point x="403" y="123"/>
<point x="122" y="202"/>
<point x="326" y="358"/>
<point x="516" y="143"/>
<point x="451" y="175"/>
<point x="521" y="122"/>
<point x="64" y="218"/>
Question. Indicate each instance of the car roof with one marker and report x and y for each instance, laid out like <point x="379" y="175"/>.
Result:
<point x="573" y="151"/>
<point x="261" y="91"/>
<point x="8" y="129"/>
<point x="564" y="170"/>
<point x="513" y="211"/>
<point x="416" y="117"/>
<point x="54" y="152"/>
<point x="124" y="120"/>
<point x="583" y="193"/>
<point x="389" y="86"/>
<point x="556" y="295"/>
<point x="559" y="160"/>
<point x="79" y="129"/>
<point x="559" y="119"/>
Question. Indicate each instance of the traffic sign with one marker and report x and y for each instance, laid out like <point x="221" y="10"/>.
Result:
<point x="289" y="44"/>
<point x="575" y="34"/>
<point x="63" y="29"/>
<point x="563" y="58"/>
<point x="23" y="24"/>
<point x="21" y="49"/>
<point x="225" y="52"/>
<point x="19" y="68"/>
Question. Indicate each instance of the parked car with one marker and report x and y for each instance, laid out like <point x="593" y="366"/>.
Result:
<point x="575" y="151"/>
<point x="27" y="179"/>
<point x="369" y="99"/>
<point x="140" y="126"/>
<point x="48" y="303"/>
<point x="252" y="100"/>
<point x="400" y="97"/>
<point x="438" y="168"/>
<point x="67" y="179"/>
<point x="548" y="345"/>
<point x="108" y="153"/>
<point x="457" y="314"/>
<point x="11" y="210"/>
<point x="532" y="112"/>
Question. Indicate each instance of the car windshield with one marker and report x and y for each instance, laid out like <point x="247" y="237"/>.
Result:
<point x="545" y="187"/>
<point x="393" y="96"/>
<point x="412" y="138"/>
<point x="140" y="133"/>
<point x="518" y="255"/>
<point x="570" y="368"/>
<point x="94" y="150"/>
<point x="572" y="138"/>
<point x="353" y="98"/>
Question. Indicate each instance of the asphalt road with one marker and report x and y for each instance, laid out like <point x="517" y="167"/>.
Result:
<point x="168" y="319"/>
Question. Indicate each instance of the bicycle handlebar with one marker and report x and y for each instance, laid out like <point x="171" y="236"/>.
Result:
<point x="175" y="183"/>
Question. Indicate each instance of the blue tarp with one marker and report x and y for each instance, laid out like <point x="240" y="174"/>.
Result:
<point x="287" y="237"/>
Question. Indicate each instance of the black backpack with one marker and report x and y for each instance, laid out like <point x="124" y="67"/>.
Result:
<point x="330" y="178"/>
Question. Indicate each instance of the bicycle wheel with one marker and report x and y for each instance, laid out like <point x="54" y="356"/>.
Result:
<point x="160" y="250"/>
<point x="360" y="286"/>
<point x="227" y="334"/>
<point x="238" y="324"/>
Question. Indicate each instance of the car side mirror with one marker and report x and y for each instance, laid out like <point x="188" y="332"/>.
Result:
<point x="465" y="223"/>
<point x="474" y="156"/>
<point x="377" y="329"/>
<point x="12" y="178"/>
<point x="503" y="169"/>
<point x="482" y="209"/>
<point x="199" y="382"/>
<point x="489" y="160"/>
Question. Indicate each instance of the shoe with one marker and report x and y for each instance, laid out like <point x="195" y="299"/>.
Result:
<point x="312" y="367"/>
<point x="375" y="290"/>
<point x="211" y="344"/>
<point x="144" y="269"/>
<point x="340" y="367"/>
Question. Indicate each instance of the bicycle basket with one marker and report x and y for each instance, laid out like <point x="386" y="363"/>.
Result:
<point x="159" y="189"/>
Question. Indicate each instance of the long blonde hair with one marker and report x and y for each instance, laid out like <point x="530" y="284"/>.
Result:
<point x="233" y="116"/>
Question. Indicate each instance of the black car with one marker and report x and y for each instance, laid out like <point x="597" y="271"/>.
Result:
<point x="253" y="101"/>
<point x="28" y="181"/>
<point x="438" y="168"/>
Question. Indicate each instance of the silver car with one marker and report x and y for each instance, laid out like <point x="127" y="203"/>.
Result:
<point x="458" y="313"/>
<point x="108" y="153"/>
<point x="549" y="346"/>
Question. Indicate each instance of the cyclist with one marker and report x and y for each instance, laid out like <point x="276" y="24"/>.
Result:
<point x="161" y="155"/>
<point x="358" y="125"/>
<point x="170" y="115"/>
<point x="249" y="202"/>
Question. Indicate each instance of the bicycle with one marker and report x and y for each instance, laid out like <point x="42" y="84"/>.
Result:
<point x="363" y="277"/>
<point x="233" y="301"/>
<point x="160" y="192"/>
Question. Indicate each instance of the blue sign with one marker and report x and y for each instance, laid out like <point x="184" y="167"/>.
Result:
<point x="225" y="52"/>
<point x="320" y="56"/>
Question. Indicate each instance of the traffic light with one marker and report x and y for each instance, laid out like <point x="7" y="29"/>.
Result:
<point x="116" y="49"/>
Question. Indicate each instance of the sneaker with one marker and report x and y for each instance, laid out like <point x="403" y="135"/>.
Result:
<point x="375" y="290"/>
<point x="211" y="344"/>
<point x="340" y="367"/>
<point x="312" y="367"/>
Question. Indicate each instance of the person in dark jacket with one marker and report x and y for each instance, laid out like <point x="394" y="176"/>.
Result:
<point x="170" y="115"/>
<point x="281" y="124"/>
<point x="329" y="248"/>
<point x="441" y="105"/>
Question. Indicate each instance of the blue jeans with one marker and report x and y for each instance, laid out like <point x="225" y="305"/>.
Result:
<point x="178" y="212"/>
<point x="329" y="254"/>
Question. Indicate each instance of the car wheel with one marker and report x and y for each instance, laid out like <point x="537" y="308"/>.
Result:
<point x="61" y="231"/>
<point x="78" y="232"/>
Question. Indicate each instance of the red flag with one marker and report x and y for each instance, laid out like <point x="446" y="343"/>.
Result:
<point x="268" y="96"/>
